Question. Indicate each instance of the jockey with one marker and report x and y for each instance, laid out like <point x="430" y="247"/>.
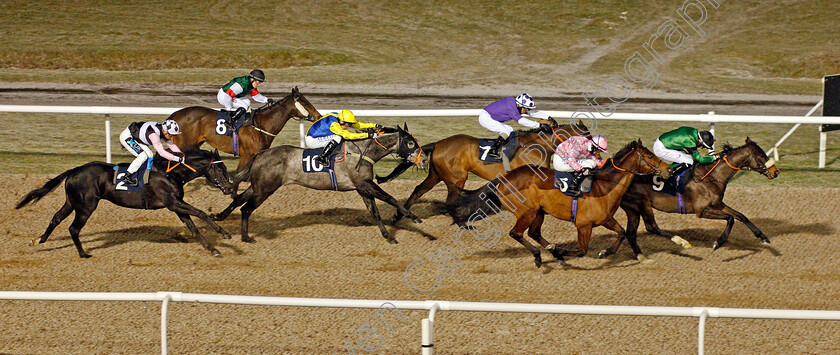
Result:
<point x="328" y="131"/>
<point x="673" y="145"/>
<point x="140" y="135"/>
<point x="578" y="154"/>
<point x="232" y="95"/>
<point x="509" y="108"/>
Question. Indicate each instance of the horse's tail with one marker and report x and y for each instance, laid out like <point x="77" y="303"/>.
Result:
<point x="243" y="175"/>
<point x="35" y="195"/>
<point x="470" y="201"/>
<point x="402" y="167"/>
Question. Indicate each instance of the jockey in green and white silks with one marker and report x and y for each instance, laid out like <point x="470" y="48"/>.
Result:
<point x="232" y="95"/>
<point x="680" y="146"/>
<point x="328" y="131"/>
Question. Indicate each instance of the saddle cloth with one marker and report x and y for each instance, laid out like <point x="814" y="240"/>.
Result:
<point x="562" y="180"/>
<point x="509" y="149"/>
<point x="143" y="173"/>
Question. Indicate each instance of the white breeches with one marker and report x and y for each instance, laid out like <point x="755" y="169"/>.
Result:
<point x="671" y="155"/>
<point x="141" y="151"/>
<point x="231" y="103"/>
<point x="560" y="165"/>
<point x="320" y="142"/>
<point x="488" y="122"/>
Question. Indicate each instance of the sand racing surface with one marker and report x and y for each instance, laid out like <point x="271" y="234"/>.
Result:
<point x="324" y="244"/>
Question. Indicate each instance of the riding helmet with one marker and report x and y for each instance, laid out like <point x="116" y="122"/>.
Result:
<point x="257" y="75"/>
<point x="347" y="116"/>
<point x="600" y="142"/>
<point x="706" y="138"/>
<point x="526" y="101"/>
<point x="171" y="127"/>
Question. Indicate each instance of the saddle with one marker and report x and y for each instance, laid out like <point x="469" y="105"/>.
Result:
<point x="672" y="186"/>
<point x="509" y="149"/>
<point x="563" y="179"/>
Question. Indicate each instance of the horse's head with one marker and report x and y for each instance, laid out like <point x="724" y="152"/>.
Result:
<point x="637" y="159"/>
<point x="210" y="165"/>
<point x="300" y="107"/>
<point x="409" y="148"/>
<point x="758" y="161"/>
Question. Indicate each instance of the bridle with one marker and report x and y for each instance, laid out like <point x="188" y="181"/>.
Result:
<point x="300" y="108"/>
<point x="639" y="167"/>
<point x="763" y="169"/>
<point x="416" y="159"/>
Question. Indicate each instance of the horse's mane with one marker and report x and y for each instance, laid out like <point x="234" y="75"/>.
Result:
<point x="727" y="148"/>
<point x="626" y="149"/>
<point x="272" y="104"/>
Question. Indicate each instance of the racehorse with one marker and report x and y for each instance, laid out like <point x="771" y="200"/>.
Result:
<point x="453" y="158"/>
<point x="87" y="184"/>
<point x="198" y="125"/>
<point x="282" y="165"/>
<point x="703" y="195"/>
<point x="529" y="193"/>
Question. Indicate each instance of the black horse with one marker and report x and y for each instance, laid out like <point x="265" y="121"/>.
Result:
<point x="86" y="185"/>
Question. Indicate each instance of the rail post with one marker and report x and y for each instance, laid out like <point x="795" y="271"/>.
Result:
<point x="427" y="342"/>
<point x="108" y="138"/>
<point x="164" y="310"/>
<point x="302" y="142"/>
<point x="701" y="332"/>
<point x="823" y="141"/>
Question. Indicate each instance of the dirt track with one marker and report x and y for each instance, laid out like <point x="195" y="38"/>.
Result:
<point x="323" y="244"/>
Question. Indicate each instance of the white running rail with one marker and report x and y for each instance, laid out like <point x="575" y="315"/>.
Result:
<point x="710" y="118"/>
<point x="427" y="343"/>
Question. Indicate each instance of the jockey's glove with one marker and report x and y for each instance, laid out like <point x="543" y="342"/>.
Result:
<point x="270" y="101"/>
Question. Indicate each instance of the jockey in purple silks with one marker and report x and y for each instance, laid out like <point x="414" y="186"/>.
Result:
<point x="494" y="116"/>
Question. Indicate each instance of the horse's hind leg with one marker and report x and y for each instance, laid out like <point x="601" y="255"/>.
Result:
<point x="59" y="216"/>
<point x="185" y="217"/>
<point x="431" y="180"/>
<point x="181" y="206"/>
<point x="652" y="227"/>
<point x="522" y="223"/>
<point x="370" y="189"/>
<point x="535" y="232"/>
<point x="371" y="205"/>
<point x="237" y="201"/>
<point x="632" y="227"/>
<point x="739" y="216"/>
<point x="79" y="222"/>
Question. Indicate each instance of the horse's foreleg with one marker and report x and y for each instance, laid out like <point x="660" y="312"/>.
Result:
<point x="82" y="215"/>
<point x="739" y="216"/>
<point x="522" y="223"/>
<point x="180" y="206"/>
<point x="185" y="217"/>
<point x="237" y="201"/>
<point x="371" y="205"/>
<point x="424" y="187"/>
<point x="59" y="216"/>
<point x="614" y="226"/>
<point x="712" y="213"/>
<point x="371" y="189"/>
<point x="584" y="234"/>
<point x="453" y="191"/>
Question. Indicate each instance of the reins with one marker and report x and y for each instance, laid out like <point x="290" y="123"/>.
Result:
<point x="725" y="159"/>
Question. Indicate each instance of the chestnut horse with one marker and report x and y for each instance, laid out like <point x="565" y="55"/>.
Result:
<point x="529" y="193"/>
<point x="198" y="125"/>
<point x="453" y="158"/>
<point x="703" y="195"/>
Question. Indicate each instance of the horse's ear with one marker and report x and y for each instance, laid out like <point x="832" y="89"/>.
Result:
<point x="405" y="125"/>
<point x="216" y="152"/>
<point x="295" y="93"/>
<point x="749" y="140"/>
<point x="580" y="122"/>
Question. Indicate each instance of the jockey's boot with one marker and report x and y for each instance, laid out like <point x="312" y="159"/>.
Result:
<point x="495" y="150"/>
<point x="574" y="185"/>
<point x="130" y="178"/>
<point x="677" y="170"/>
<point x="325" y="154"/>
<point x="236" y="115"/>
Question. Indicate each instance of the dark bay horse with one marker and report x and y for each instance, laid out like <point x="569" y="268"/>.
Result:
<point x="198" y="125"/>
<point x="529" y="193"/>
<point x="282" y="165"/>
<point x="452" y="159"/>
<point x="87" y="184"/>
<point x="703" y="195"/>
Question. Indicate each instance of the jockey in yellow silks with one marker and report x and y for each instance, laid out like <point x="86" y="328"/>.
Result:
<point x="328" y="131"/>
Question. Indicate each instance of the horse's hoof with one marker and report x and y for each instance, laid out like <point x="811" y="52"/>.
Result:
<point x="85" y="256"/>
<point x="602" y="254"/>
<point x="765" y="241"/>
<point x="538" y="262"/>
<point x="226" y="236"/>
<point x="215" y="253"/>
<point x="682" y="242"/>
<point x="715" y="246"/>
<point x="249" y="240"/>
<point x="393" y="241"/>
<point x="33" y="242"/>
<point x="397" y="217"/>
<point x="417" y="220"/>
<point x="643" y="259"/>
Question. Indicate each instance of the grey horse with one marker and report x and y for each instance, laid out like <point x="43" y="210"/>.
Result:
<point x="284" y="165"/>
